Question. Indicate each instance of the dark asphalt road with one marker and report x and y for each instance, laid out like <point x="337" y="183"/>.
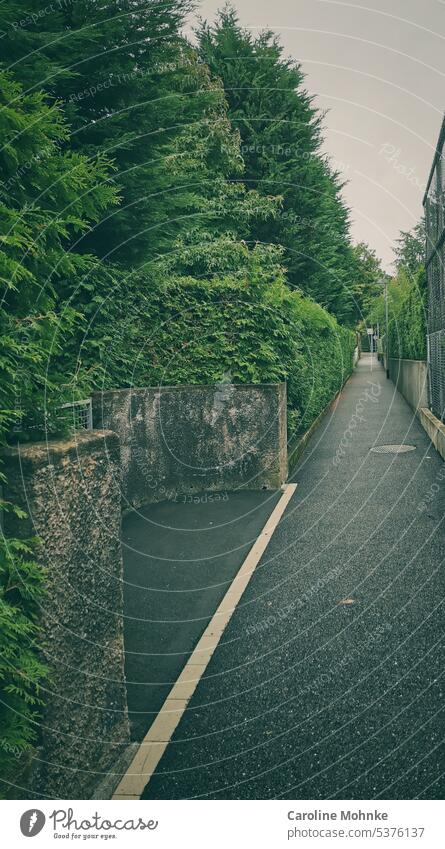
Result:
<point x="308" y="697"/>
<point x="180" y="558"/>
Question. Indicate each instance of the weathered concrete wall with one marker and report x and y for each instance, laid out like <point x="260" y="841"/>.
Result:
<point x="71" y="493"/>
<point x="411" y="379"/>
<point x="435" y="430"/>
<point x="177" y="439"/>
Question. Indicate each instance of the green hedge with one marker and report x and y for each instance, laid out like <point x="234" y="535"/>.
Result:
<point x="326" y="362"/>
<point x="227" y="328"/>
<point x="21" y="670"/>
<point x="407" y="325"/>
<point x="407" y="305"/>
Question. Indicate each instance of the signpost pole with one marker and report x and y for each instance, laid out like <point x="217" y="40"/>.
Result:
<point x="386" y="328"/>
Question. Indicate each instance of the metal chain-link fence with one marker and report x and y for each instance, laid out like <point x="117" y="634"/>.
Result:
<point x="435" y="235"/>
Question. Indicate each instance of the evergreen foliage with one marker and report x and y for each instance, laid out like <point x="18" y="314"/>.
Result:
<point x="369" y="278"/>
<point x="134" y="89"/>
<point x="281" y="140"/>
<point x="407" y="299"/>
<point x="410" y="249"/>
<point x="49" y="195"/>
<point x="21" y="670"/>
<point x="219" y="310"/>
<point x="407" y="326"/>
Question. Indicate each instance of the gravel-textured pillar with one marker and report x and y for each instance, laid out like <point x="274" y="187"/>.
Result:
<point x="70" y="490"/>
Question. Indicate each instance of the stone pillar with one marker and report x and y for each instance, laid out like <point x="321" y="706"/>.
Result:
<point x="70" y="491"/>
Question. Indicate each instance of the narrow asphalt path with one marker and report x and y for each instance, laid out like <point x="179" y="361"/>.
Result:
<point x="180" y="557"/>
<point x="328" y="681"/>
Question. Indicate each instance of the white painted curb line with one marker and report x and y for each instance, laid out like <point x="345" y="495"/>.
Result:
<point x="160" y="732"/>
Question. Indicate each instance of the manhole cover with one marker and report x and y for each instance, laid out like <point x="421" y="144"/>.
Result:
<point x="393" y="449"/>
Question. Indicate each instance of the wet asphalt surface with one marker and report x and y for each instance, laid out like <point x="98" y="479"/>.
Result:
<point x="180" y="558"/>
<point x="328" y="681"/>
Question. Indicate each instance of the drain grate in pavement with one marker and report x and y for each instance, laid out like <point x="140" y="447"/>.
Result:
<point x="393" y="449"/>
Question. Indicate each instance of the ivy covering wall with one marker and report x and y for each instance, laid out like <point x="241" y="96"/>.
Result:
<point x="407" y="326"/>
<point x="407" y="314"/>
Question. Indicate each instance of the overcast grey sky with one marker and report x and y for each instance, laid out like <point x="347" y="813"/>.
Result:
<point x="379" y="68"/>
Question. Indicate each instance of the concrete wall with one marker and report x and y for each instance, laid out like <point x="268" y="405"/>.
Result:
<point x="411" y="379"/>
<point x="177" y="439"/>
<point x="435" y="430"/>
<point x="70" y="490"/>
